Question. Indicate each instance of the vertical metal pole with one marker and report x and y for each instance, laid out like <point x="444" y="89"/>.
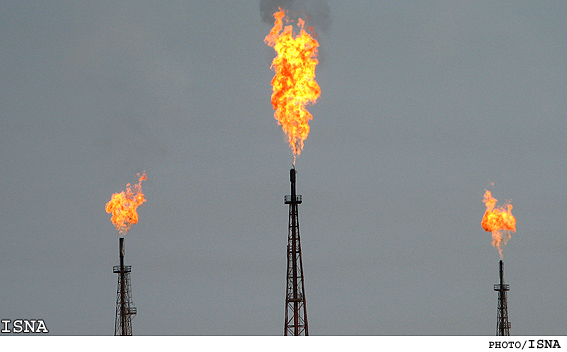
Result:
<point x="502" y="303"/>
<point x="296" y="312"/>
<point x="502" y="323"/>
<point x="125" y="309"/>
<point x="122" y="289"/>
<point x="294" y="251"/>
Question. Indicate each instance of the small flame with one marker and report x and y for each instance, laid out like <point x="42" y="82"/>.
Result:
<point x="294" y="84"/>
<point x="123" y="206"/>
<point x="499" y="221"/>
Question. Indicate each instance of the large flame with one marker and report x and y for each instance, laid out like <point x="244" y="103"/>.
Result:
<point x="294" y="83"/>
<point x="123" y="206"/>
<point x="499" y="221"/>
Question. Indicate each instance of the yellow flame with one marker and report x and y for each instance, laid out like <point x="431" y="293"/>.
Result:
<point x="294" y="84"/>
<point x="499" y="221"/>
<point x="123" y="206"/>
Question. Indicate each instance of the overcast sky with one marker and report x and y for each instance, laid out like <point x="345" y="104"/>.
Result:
<point x="423" y="105"/>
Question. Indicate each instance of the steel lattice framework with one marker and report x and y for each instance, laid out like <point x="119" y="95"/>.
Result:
<point x="296" y="309"/>
<point x="502" y="324"/>
<point x="125" y="309"/>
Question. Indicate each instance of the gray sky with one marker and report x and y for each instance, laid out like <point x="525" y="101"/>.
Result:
<point x="423" y="105"/>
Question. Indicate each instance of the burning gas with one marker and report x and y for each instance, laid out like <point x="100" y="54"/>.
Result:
<point x="123" y="206"/>
<point x="294" y="84"/>
<point x="499" y="221"/>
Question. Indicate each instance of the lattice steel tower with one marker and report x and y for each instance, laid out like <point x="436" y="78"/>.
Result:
<point x="125" y="309"/>
<point x="295" y="308"/>
<point x="502" y="324"/>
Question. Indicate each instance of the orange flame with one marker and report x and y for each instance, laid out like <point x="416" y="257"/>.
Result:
<point x="123" y="206"/>
<point x="294" y="84"/>
<point x="499" y="221"/>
